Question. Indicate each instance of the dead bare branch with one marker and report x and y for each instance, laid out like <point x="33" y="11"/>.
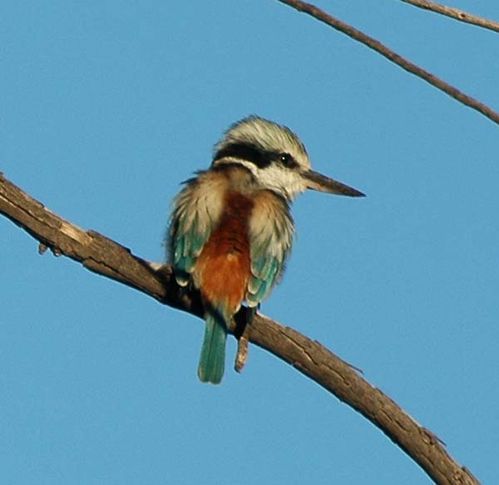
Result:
<point x="108" y="258"/>
<point x="405" y="64"/>
<point x="455" y="13"/>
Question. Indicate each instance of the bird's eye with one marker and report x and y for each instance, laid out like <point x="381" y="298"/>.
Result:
<point x="286" y="159"/>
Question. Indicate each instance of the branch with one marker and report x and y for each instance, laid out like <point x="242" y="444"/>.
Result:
<point x="455" y="13"/>
<point x="392" y="56"/>
<point x="108" y="258"/>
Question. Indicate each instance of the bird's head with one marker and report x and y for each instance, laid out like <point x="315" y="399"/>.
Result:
<point x="276" y="157"/>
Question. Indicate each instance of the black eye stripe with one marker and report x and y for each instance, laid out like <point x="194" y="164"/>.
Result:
<point x="256" y="155"/>
<point x="245" y="151"/>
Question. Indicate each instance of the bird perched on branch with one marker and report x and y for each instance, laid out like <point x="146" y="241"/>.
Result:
<point x="231" y="229"/>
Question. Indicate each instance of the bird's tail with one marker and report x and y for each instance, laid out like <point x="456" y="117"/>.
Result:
<point x="212" y="360"/>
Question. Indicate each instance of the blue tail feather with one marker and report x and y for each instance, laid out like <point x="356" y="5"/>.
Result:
<point x="212" y="360"/>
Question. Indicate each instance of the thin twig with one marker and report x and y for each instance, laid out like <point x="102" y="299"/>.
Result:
<point x="106" y="257"/>
<point x="456" y="14"/>
<point x="377" y="46"/>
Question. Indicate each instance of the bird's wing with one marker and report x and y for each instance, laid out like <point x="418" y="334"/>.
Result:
<point x="271" y="235"/>
<point x="196" y="212"/>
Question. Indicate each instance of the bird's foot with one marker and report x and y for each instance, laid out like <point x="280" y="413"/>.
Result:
<point x="243" y="329"/>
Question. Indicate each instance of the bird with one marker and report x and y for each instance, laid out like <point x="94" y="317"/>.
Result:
<point x="231" y="228"/>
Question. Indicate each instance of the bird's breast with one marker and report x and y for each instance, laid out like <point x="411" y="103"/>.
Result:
<point x="224" y="266"/>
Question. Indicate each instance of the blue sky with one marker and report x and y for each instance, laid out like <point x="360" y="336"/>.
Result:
<point x="107" y="106"/>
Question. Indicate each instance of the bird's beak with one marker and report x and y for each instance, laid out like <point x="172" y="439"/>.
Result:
<point x="317" y="181"/>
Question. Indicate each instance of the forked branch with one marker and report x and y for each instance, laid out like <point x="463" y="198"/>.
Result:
<point x="108" y="258"/>
<point x="391" y="55"/>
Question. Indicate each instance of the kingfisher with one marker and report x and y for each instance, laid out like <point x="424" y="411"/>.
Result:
<point x="231" y="228"/>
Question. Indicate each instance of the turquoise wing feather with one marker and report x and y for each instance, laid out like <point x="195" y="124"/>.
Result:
<point x="195" y="214"/>
<point x="265" y="271"/>
<point x="188" y="240"/>
<point x="271" y="235"/>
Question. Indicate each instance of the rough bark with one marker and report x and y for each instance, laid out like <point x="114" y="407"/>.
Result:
<point x="108" y="258"/>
